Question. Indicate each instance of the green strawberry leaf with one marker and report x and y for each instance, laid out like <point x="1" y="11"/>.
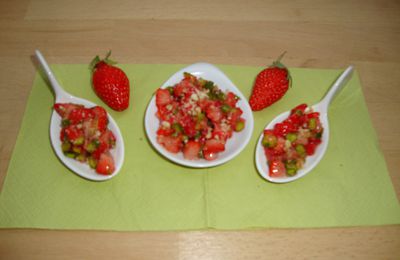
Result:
<point x="97" y="59"/>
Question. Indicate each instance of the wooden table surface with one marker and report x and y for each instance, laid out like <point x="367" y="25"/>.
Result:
<point x="315" y="34"/>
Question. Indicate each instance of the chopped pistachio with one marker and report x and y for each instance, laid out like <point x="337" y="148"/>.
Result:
<point x="239" y="126"/>
<point x="291" y="137"/>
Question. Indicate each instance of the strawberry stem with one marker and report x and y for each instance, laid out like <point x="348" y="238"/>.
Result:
<point x="97" y="59"/>
<point x="278" y="63"/>
<point x="281" y="56"/>
<point x="108" y="55"/>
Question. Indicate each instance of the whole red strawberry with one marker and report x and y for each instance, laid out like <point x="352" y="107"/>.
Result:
<point x="110" y="83"/>
<point x="270" y="85"/>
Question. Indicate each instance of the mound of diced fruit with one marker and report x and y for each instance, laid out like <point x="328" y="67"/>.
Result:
<point x="197" y="118"/>
<point x="289" y="143"/>
<point x="85" y="137"/>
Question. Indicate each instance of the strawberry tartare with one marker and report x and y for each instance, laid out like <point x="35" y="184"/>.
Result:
<point x="85" y="136"/>
<point x="289" y="143"/>
<point x="197" y="118"/>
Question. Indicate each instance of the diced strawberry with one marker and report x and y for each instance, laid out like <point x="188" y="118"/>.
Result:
<point x="223" y="133"/>
<point x="211" y="149"/>
<point x="111" y="138"/>
<point x="72" y="133"/>
<point x="209" y="156"/>
<point x="279" y="148"/>
<point x="295" y="120"/>
<point x="64" y="109"/>
<point x="179" y="90"/>
<point x="105" y="165"/>
<point x="165" y="131"/>
<point x="214" y="113"/>
<point x="282" y="129"/>
<point x="189" y="126"/>
<point x="299" y="110"/>
<point x="89" y="128"/>
<point x="163" y="97"/>
<point x="268" y="132"/>
<point x="312" y="146"/>
<point x="77" y="115"/>
<point x="235" y="115"/>
<point x="172" y="144"/>
<point x="163" y="113"/>
<point x="106" y="142"/>
<point x="231" y="99"/>
<point x="191" y="150"/>
<point x="214" y="146"/>
<point x="203" y="104"/>
<point x="102" y="148"/>
<point x="108" y="138"/>
<point x="312" y="115"/>
<point x="100" y="123"/>
<point x="101" y="116"/>
<point x="271" y="154"/>
<point x="99" y="111"/>
<point x="277" y="168"/>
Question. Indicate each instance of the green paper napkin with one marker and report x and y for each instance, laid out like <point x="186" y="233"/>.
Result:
<point x="350" y="186"/>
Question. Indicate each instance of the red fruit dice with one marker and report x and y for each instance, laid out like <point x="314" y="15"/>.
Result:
<point x="73" y="133"/>
<point x="299" y="110"/>
<point x="214" y="113"/>
<point x="191" y="150"/>
<point x="78" y="115"/>
<point x="270" y="85"/>
<point x="105" y="165"/>
<point x="110" y="83"/>
<point x="172" y="144"/>
<point x="231" y="99"/>
<point x="214" y="145"/>
<point x="282" y="129"/>
<point x="99" y="112"/>
<point x="64" y="109"/>
<point x="211" y="149"/>
<point x="163" y="97"/>
<point x="277" y="168"/>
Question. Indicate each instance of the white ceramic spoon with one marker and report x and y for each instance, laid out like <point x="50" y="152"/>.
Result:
<point x="61" y="96"/>
<point x="311" y="161"/>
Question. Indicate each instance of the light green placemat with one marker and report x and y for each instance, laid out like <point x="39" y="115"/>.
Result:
<point x="350" y="187"/>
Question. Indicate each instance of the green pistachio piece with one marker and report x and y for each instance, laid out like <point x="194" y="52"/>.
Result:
<point x="239" y="126"/>
<point x="291" y="137"/>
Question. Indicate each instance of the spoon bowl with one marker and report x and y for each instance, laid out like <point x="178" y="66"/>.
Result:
<point x="311" y="161"/>
<point x="61" y="96"/>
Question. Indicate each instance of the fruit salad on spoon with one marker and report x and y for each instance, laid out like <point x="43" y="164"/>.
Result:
<point x="83" y="135"/>
<point x="293" y="143"/>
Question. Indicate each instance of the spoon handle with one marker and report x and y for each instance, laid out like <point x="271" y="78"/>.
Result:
<point x="58" y="91"/>
<point x="336" y="87"/>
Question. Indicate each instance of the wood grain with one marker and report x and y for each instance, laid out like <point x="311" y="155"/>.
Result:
<point x="315" y="34"/>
